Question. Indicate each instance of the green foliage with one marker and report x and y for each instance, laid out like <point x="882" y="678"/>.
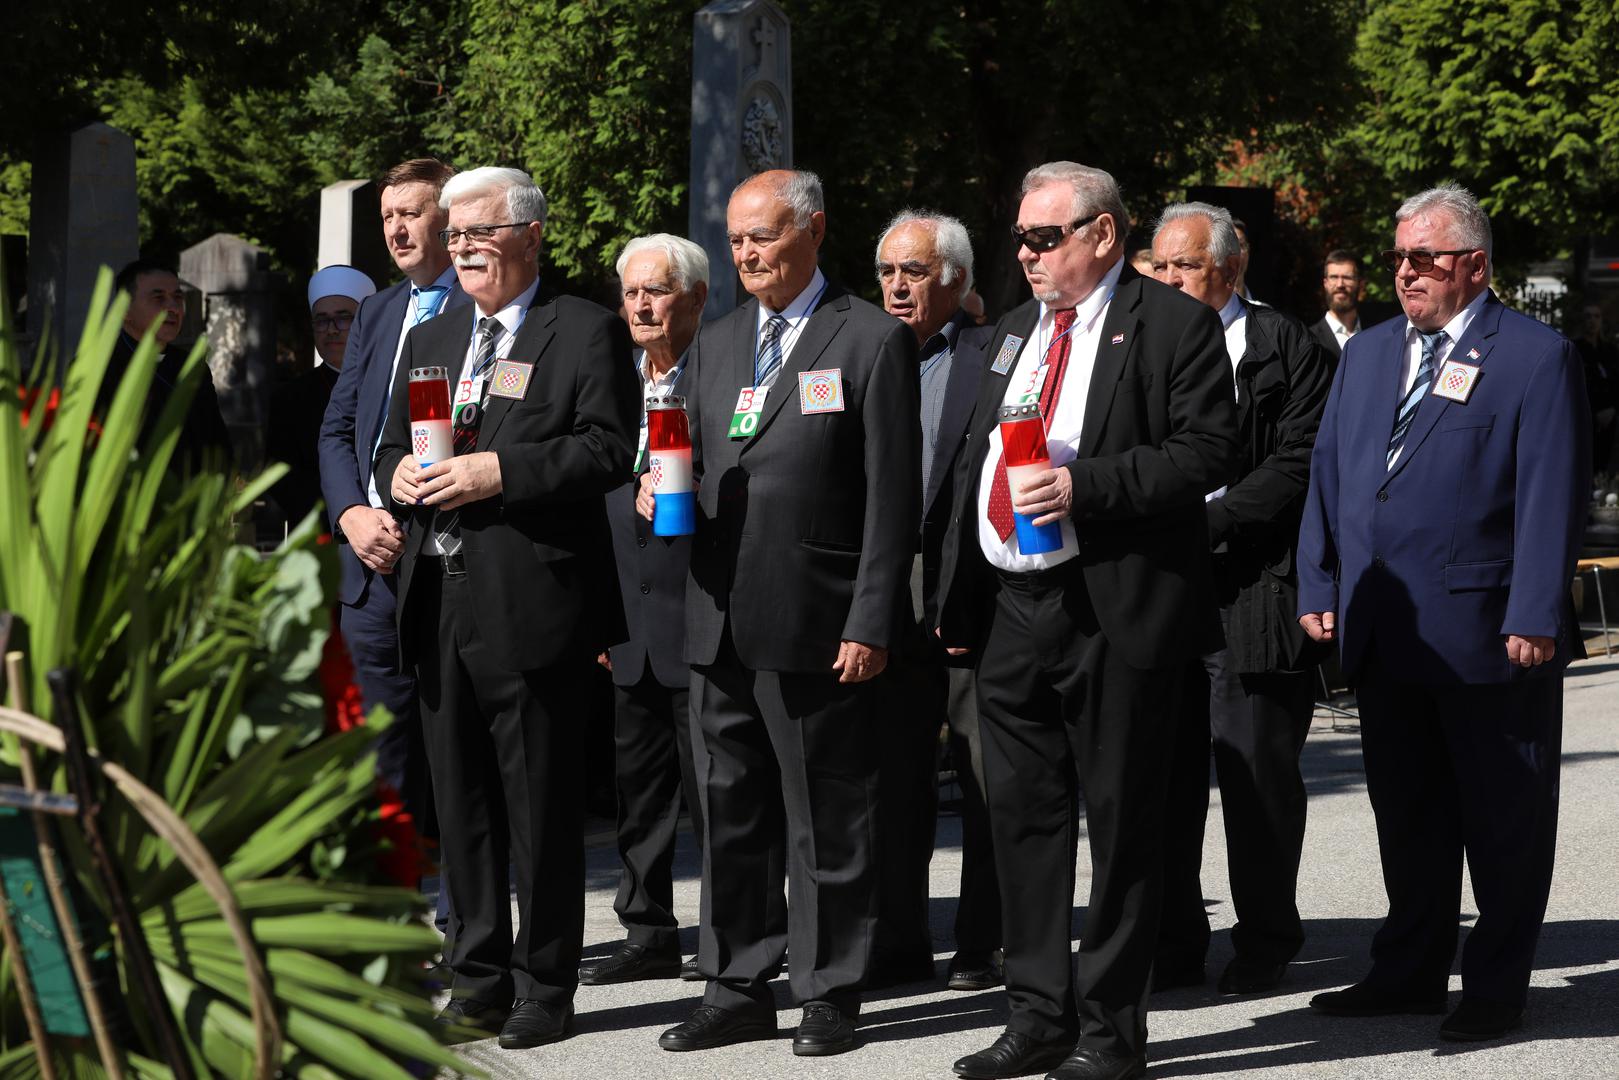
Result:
<point x="196" y="660"/>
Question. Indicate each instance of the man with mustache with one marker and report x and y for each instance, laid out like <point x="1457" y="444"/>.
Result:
<point x="1344" y="289"/>
<point x="1447" y="498"/>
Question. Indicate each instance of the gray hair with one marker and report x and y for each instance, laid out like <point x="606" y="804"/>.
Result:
<point x="524" y="199"/>
<point x="1224" y="245"/>
<point x="1456" y="203"/>
<point x="950" y="240"/>
<point x="798" y="188"/>
<point x="1095" y="191"/>
<point x="688" y="263"/>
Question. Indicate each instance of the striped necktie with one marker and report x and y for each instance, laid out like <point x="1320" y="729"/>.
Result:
<point x="767" y="365"/>
<point x="1413" y="397"/>
<point x="447" y="523"/>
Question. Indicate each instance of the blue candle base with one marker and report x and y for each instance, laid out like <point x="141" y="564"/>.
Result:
<point x="675" y="515"/>
<point x="1035" y="539"/>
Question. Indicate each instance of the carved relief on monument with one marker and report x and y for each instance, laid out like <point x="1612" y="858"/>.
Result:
<point x="761" y="131"/>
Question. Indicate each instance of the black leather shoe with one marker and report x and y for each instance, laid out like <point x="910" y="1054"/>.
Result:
<point x="1013" y="1054"/>
<point x="898" y="971"/>
<point x="823" y="1031"/>
<point x="711" y="1026"/>
<point x="631" y="963"/>
<point x="1087" y="1063"/>
<point x="975" y="971"/>
<point x="1363" y="1000"/>
<point x="1475" y="1020"/>
<point x="1243" y="976"/>
<point x="1176" y="976"/>
<point x="474" y="1019"/>
<point x="689" y="972"/>
<point x="535" y="1023"/>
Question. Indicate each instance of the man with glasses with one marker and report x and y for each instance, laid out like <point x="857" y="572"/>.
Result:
<point x="803" y="407"/>
<point x="507" y="594"/>
<point x="1344" y="289"/>
<point x="1080" y="649"/>
<point x="1447" y="498"/>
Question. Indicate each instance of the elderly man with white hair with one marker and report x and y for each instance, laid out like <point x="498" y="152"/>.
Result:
<point x="507" y="595"/>
<point x="665" y="282"/>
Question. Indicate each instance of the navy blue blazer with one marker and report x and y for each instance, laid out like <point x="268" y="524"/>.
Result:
<point x="1474" y="532"/>
<point x="354" y="416"/>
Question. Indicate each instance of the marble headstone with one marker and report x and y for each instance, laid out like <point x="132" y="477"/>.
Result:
<point x="351" y="230"/>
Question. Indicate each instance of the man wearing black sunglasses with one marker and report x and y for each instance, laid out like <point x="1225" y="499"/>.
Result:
<point x="1078" y="648"/>
<point x="1446" y="505"/>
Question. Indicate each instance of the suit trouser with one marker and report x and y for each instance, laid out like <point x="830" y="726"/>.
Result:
<point x="506" y="753"/>
<point x="912" y="694"/>
<point x="1060" y="712"/>
<point x="652" y="735"/>
<point x="978" y="914"/>
<point x="1257" y="724"/>
<point x="792" y="794"/>
<point x="1452" y="769"/>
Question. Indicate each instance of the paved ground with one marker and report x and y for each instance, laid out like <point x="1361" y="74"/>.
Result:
<point x="917" y="1031"/>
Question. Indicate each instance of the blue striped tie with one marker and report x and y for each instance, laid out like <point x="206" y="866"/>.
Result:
<point x="1413" y="397"/>
<point x="768" y="363"/>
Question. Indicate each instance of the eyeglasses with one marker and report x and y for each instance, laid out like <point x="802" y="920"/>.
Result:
<point x="1421" y="261"/>
<point x="477" y="234"/>
<point x="1040" y="238"/>
<point x="340" y="321"/>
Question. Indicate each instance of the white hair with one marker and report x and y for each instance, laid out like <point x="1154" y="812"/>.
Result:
<point x="688" y="263"/>
<point x="950" y="240"/>
<point x="1224" y="246"/>
<point x="800" y="189"/>
<point x="1095" y="191"/>
<point x="524" y="199"/>
<point x="1458" y="205"/>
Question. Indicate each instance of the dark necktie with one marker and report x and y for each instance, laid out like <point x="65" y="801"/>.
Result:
<point x="1413" y="397"/>
<point x="447" y="523"/>
<point x="1000" y="491"/>
<point x="768" y="363"/>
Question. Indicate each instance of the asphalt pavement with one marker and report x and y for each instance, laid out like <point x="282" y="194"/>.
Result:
<point x="1571" y="1030"/>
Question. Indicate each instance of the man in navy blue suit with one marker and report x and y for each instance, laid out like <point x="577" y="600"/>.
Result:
<point x="1447" y="497"/>
<point x="370" y="540"/>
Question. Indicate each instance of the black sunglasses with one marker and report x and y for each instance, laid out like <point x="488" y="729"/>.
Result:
<point x="1040" y="238"/>
<point x="1421" y="261"/>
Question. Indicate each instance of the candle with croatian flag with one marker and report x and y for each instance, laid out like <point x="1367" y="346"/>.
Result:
<point x="1023" y="441"/>
<point x="668" y="445"/>
<point x="430" y="436"/>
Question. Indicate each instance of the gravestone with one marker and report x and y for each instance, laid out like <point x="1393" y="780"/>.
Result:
<point x="238" y="315"/>
<point x="351" y="230"/>
<point x="83" y="214"/>
<point x="741" y="121"/>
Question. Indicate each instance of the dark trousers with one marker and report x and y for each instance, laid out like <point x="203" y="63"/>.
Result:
<point x="506" y="753"/>
<point x="792" y="793"/>
<point x="912" y="694"/>
<point x="978" y="913"/>
<point x="1257" y="725"/>
<point x="652" y="734"/>
<point x="1061" y="713"/>
<point x="372" y="637"/>
<point x="1454" y="769"/>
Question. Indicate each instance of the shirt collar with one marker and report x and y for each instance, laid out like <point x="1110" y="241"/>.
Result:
<point x="511" y="316"/>
<point x="1459" y="322"/>
<point x="443" y="281"/>
<point x="664" y="381"/>
<point x="1340" y="328"/>
<point x="1086" y="311"/>
<point x="799" y="308"/>
<point x="1234" y="309"/>
<point x="944" y="338"/>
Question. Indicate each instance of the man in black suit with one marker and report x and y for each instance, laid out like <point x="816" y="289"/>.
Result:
<point x="925" y="267"/>
<point x="665" y="283"/>
<point x="370" y="541"/>
<point x="1253" y="696"/>
<point x="1080" y="648"/>
<point x="808" y="517"/>
<point x="1345" y="289"/>
<point x="506" y="595"/>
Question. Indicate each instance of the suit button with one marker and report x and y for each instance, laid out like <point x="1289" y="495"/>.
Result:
<point x="1382" y="496"/>
<point x="641" y="541"/>
<point x="1377" y="560"/>
<point x="645" y="588"/>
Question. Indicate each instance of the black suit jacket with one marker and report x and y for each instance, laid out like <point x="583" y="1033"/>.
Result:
<point x="807" y="528"/>
<point x="1159" y="433"/>
<point x="1282" y="383"/>
<point x="960" y="394"/>
<point x="1329" y="341"/>
<point x="204" y="438"/>
<point x="539" y="554"/>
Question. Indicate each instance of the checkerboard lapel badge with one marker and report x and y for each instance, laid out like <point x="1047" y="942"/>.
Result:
<point x="1008" y="353"/>
<point x="510" y="379"/>
<point x="820" y="391"/>
<point x="1456" y="381"/>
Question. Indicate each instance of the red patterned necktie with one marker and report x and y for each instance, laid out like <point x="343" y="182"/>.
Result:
<point x="1000" y="492"/>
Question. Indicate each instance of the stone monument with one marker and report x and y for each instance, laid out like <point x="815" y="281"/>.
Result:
<point x="351" y="230"/>
<point x="741" y="121"/>
<point x="239" y="293"/>
<point x="83" y="214"/>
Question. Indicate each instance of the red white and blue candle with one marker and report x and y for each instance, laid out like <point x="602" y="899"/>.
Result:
<point x="1023" y="442"/>
<point x="668" y="444"/>
<point x="431" y="438"/>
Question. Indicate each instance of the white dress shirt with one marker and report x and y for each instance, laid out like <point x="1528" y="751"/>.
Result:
<point x="1234" y="317"/>
<point x="797" y="313"/>
<point x="443" y="281"/>
<point x="1454" y="329"/>
<point x="1063" y="427"/>
<point x="1340" y="331"/>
